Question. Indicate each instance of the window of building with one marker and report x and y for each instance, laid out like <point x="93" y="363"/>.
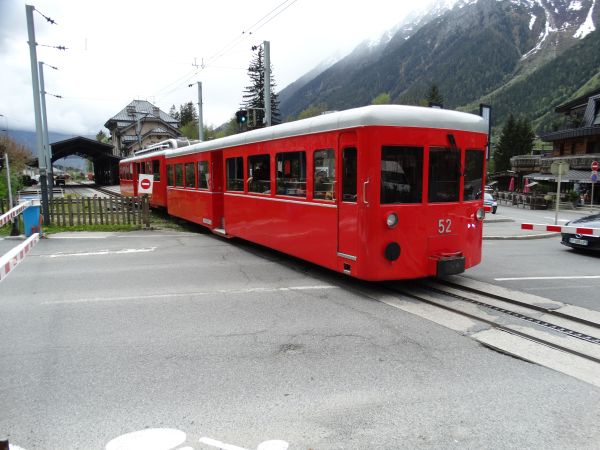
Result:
<point x="401" y="174"/>
<point x="156" y="169"/>
<point x="473" y="174"/>
<point x="190" y="176"/>
<point x="179" y="175"/>
<point x="235" y="174"/>
<point x="324" y="174"/>
<point x="259" y="174"/>
<point x="349" y="175"/>
<point x="291" y="174"/>
<point x="203" y="175"/>
<point x="170" y="175"/>
<point x="444" y="174"/>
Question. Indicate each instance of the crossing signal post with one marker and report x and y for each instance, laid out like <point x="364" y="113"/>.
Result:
<point x="241" y="118"/>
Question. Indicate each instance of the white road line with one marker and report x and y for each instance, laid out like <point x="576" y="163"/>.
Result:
<point x="101" y="252"/>
<point x="191" y="294"/>
<point x="581" y="277"/>
<point x="560" y="220"/>
<point x="77" y="237"/>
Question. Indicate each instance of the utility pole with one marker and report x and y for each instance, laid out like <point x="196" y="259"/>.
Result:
<point x="15" y="228"/>
<point x="36" y="105"/>
<point x="45" y="140"/>
<point x="267" y="48"/>
<point x="200" y="120"/>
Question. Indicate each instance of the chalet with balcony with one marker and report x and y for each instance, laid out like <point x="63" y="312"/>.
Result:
<point x="577" y="143"/>
<point x="138" y="125"/>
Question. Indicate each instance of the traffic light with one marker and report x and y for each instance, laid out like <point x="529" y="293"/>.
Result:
<point x="241" y="117"/>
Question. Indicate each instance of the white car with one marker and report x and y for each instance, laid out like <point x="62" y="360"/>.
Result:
<point x="488" y="200"/>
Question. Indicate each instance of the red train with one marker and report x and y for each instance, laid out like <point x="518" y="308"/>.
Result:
<point x="379" y="193"/>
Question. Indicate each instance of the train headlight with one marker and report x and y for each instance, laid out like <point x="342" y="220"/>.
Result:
<point x="392" y="220"/>
<point x="480" y="214"/>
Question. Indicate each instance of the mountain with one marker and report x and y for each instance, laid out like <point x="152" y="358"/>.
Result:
<point x="29" y="140"/>
<point x="521" y="56"/>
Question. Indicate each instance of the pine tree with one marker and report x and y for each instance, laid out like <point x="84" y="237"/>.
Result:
<point x="187" y="114"/>
<point x="516" y="138"/>
<point x="173" y="112"/>
<point x="254" y="95"/>
<point x="434" y="96"/>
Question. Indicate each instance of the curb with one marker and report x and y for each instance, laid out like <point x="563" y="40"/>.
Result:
<point x="520" y="238"/>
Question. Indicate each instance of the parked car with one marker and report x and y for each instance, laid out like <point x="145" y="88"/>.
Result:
<point x="582" y="241"/>
<point x="61" y="180"/>
<point x="28" y="181"/>
<point x="488" y="200"/>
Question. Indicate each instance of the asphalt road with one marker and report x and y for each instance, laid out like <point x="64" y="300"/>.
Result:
<point x="197" y="336"/>
<point x="539" y="266"/>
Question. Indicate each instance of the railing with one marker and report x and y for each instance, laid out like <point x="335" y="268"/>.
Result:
<point x="69" y="212"/>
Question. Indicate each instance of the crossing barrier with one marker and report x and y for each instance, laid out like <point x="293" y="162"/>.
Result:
<point x="13" y="257"/>
<point x="586" y="231"/>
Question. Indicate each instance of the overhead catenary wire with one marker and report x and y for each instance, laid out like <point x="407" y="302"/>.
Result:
<point x="272" y="14"/>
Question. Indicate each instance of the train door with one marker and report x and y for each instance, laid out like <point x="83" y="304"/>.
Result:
<point x="348" y="199"/>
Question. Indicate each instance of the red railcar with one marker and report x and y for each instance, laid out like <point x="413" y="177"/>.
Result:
<point x="379" y="193"/>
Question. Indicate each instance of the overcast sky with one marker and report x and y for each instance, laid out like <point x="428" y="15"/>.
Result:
<point x="144" y="49"/>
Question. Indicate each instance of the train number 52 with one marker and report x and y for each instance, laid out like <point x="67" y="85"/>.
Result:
<point x="444" y="226"/>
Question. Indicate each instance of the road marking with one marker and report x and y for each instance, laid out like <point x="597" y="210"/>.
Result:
<point x="150" y="439"/>
<point x="191" y="294"/>
<point x="77" y="237"/>
<point x="102" y="252"/>
<point x="581" y="277"/>
<point x="560" y="220"/>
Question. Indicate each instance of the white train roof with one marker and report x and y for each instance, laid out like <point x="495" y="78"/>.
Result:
<point x="143" y="156"/>
<point x="379" y="115"/>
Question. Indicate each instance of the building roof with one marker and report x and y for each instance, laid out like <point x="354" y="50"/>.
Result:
<point x="576" y="103"/>
<point x="139" y="109"/>
<point x="580" y="176"/>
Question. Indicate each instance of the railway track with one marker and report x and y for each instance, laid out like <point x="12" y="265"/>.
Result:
<point x="93" y="187"/>
<point x="563" y="337"/>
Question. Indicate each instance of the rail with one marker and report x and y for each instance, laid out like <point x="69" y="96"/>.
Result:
<point x="570" y="333"/>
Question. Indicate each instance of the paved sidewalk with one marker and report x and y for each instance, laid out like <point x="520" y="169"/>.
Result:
<point x="502" y="228"/>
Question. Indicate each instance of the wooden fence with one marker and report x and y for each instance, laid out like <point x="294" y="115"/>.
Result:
<point x="69" y="212"/>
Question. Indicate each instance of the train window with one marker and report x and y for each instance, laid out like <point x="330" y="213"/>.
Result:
<point x="190" y="176"/>
<point x="259" y="174"/>
<point x="235" y="174"/>
<point x="179" y="175"/>
<point x="149" y="167"/>
<point x="141" y="167"/>
<point x="349" y="174"/>
<point x="444" y="174"/>
<point x="203" y="175"/>
<point x="291" y="174"/>
<point x="156" y="169"/>
<point x="401" y="174"/>
<point x="324" y="175"/>
<point x="170" y="176"/>
<point x="473" y="174"/>
<point x="131" y="171"/>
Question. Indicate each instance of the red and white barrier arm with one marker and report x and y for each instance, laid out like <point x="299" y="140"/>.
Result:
<point x="11" y="259"/>
<point x="10" y="215"/>
<point x="561" y="229"/>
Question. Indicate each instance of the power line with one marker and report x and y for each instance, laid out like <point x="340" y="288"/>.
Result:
<point x="284" y="5"/>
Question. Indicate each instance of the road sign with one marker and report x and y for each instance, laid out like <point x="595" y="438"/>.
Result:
<point x="595" y="166"/>
<point x="145" y="184"/>
<point x="594" y="176"/>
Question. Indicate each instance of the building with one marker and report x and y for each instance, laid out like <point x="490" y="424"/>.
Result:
<point x="577" y="143"/>
<point x="138" y="125"/>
